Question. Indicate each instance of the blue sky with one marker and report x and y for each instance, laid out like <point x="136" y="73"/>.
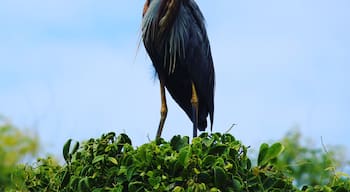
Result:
<point x="72" y="69"/>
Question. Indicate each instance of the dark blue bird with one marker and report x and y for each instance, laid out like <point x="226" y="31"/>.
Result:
<point x="176" y="40"/>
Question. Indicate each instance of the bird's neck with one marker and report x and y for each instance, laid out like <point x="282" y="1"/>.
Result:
<point x="168" y="11"/>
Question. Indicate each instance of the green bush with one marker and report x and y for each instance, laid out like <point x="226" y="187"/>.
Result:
<point x="216" y="162"/>
<point x="210" y="163"/>
<point x="313" y="167"/>
<point x="15" y="145"/>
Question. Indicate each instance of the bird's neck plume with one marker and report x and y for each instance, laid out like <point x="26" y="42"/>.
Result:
<point x="168" y="11"/>
<point x="164" y="28"/>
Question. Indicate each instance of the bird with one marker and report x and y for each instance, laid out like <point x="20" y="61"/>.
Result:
<point x="175" y="38"/>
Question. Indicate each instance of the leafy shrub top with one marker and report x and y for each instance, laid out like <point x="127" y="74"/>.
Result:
<point x="216" y="162"/>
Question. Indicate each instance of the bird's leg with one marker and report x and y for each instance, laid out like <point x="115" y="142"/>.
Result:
<point x="194" y="102"/>
<point x="163" y="110"/>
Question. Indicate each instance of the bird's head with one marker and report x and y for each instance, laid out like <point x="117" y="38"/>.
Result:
<point x="145" y="7"/>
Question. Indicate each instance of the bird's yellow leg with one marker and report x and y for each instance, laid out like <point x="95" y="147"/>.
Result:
<point x="163" y="110"/>
<point x="194" y="102"/>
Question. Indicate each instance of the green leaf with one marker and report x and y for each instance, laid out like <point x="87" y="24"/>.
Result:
<point x="217" y="149"/>
<point x="130" y="173"/>
<point x="199" y="187"/>
<point x="216" y="136"/>
<point x="204" y="177"/>
<point x="84" y="185"/>
<point x="98" y="159"/>
<point x="154" y="181"/>
<point x="118" y="188"/>
<point x="75" y="148"/>
<point x="110" y="136"/>
<point x="275" y="150"/>
<point x="113" y="160"/>
<point x="135" y="186"/>
<point x="219" y="176"/>
<point x="150" y="173"/>
<point x="203" y="135"/>
<point x="123" y="139"/>
<point x="183" y="157"/>
<point x="237" y="185"/>
<point x="270" y="153"/>
<point x="214" y="189"/>
<point x="66" y="147"/>
<point x="74" y="181"/>
<point x="65" y="180"/>
<point x="178" y="189"/>
<point x="208" y="161"/>
<point x="262" y="153"/>
<point x="177" y="142"/>
<point x="207" y="142"/>
<point x="228" y="138"/>
<point x="249" y="164"/>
